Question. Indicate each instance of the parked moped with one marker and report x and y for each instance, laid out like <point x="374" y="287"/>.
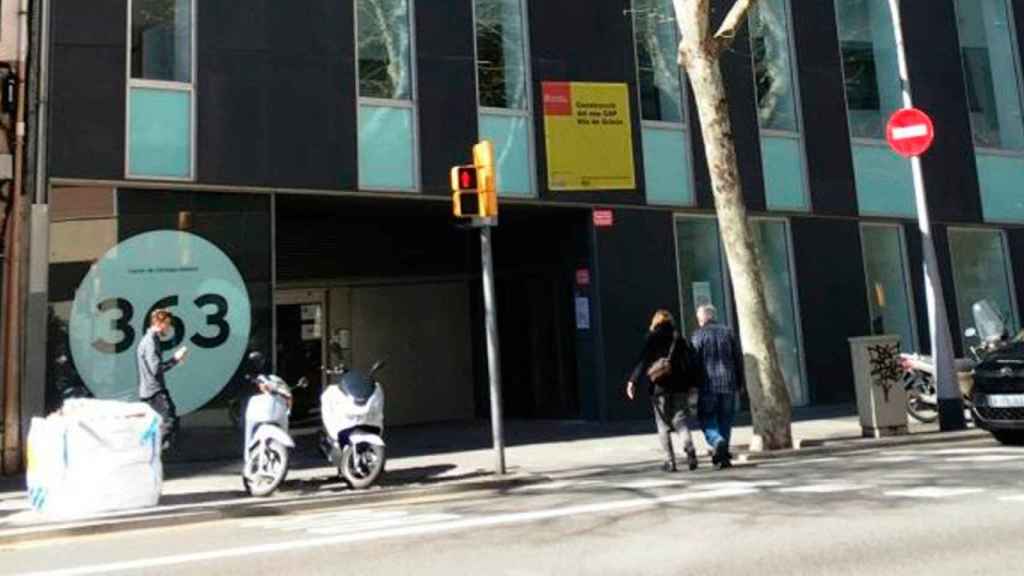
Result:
<point x="352" y="409"/>
<point x="267" y="442"/>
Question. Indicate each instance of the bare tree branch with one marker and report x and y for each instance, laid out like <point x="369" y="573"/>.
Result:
<point x="731" y="25"/>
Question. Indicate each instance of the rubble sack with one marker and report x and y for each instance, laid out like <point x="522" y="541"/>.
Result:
<point x="94" y="456"/>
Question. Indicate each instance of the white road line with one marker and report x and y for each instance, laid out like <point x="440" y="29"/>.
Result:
<point x="737" y="485"/>
<point x="799" y="462"/>
<point x="375" y="524"/>
<point x="892" y="459"/>
<point x="288" y="521"/>
<point x="651" y="483"/>
<point x="462" y="524"/>
<point x="1016" y="498"/>
<point x="557" y="485"/>
<point x="933" y="492"/>
<point x="827" y="488"/>
<point x="984" y="458"/>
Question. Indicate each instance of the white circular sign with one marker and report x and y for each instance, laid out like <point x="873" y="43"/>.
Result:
<point x="183" y="273"/>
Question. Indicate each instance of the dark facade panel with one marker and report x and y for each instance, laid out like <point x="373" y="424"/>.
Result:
<point x="833" y="303"/>
<point x="823" y="101"/>
<point x="936" y="76"/>
<point x="636" y="275"/>
<point x="596" y="47"/>
<point x="446" y="80"/>
<point x="276" y="95"/>
<point x="87" y="90"/>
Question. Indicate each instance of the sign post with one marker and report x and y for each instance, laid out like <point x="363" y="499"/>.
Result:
<point x="910" y="133"/>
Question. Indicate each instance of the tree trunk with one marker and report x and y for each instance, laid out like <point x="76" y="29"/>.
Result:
<point x="769" y="398"/>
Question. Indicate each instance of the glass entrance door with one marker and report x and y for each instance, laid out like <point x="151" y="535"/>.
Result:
<point x="301" y="318"/>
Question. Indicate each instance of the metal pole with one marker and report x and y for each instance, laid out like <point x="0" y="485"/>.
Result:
<point x="951" y="410"/>
<point x="493" y="352"/>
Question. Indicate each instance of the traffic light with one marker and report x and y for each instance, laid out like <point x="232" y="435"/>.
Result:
<point x="465" y="194"/>
<point x="474" y="186"/>
<point x="487" y="176"/>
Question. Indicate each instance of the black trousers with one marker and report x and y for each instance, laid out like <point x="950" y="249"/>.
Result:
<point x="162" y="404"/>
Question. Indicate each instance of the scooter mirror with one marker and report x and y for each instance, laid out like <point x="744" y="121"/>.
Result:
<point x="970" y="333"/>
<point x="376" y="366"/>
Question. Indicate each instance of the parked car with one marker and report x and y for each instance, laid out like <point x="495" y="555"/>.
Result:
<point x="998" y="392"/>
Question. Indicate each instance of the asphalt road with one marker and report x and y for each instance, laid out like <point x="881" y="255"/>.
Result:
<point x="951" y="508"/>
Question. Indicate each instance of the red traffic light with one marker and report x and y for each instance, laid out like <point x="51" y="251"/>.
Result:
<point x="466" y="178"/>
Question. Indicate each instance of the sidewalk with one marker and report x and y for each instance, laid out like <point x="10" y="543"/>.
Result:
<point x="436" y="459"/>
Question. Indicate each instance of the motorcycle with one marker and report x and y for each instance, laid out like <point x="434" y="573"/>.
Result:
<point x="919" y="369"/>
<point x="267" y="442"/>
<point x="352" y="410"/>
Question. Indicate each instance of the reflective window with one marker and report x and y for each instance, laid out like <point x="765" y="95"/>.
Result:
<point x="702" y="275"/>
<point x="385" y="49"/>
<point x="160" y="136"/>
<point x="657" y="44"/>
<point x="987" y="53"/>
<point x="870" y="65"/>
<point x="161" y="42"/>
<point x="885" y="270"/>
<point x="501" y="54"/>
<point x="773" y="238"/>
<point x="773" y="65"/>
<point x="981" y="270"/>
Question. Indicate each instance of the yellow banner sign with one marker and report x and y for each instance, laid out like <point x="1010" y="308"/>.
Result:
<point x="589" y="135"/>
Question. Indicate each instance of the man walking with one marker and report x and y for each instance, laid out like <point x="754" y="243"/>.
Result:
<point x="722" y="364"/>
<point x="152" y="383"/>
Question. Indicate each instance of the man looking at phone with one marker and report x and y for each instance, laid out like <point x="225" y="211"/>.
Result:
<point x="152" y="367"/>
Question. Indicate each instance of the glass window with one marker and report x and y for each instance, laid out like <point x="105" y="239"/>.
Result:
<point x="386" y="151"/>
<point x="510" y="135"/>
<point x="701" y="271"/>
<point x="501" y="54"/>
<point x="888" y="296"/>
<point x="657" y="43"/>
<point x="385" y="49"/>
<point x="870" y="65"/>
<point x="987" y="53"/>
<point x="773" y="65"/>
<point x="160" y="134"/>
<point x="981" y="270"/>
<point x="161" y="42"/>
<point x="773" y="241"/>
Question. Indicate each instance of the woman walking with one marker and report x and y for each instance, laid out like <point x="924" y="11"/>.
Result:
<point x="665" y="365"/>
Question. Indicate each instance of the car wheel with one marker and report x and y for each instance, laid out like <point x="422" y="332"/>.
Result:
<point x="1009" y="437"/>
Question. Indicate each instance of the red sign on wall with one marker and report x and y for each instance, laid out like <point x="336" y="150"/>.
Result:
<point x="604" y="218"/>
<point x="583" y="277"/>
<point x="910" y="132"/>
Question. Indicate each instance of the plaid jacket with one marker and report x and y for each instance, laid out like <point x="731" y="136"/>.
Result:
<point x="720" y="359"/>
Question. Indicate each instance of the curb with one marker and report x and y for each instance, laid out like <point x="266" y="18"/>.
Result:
<point x="828" y="448"/>
<point x="186" y="515"/>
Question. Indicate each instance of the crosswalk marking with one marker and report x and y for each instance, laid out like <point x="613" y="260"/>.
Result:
<point x="933" y="492"/>
<point x="651" y="483"/>
<point x="827" y="488"/>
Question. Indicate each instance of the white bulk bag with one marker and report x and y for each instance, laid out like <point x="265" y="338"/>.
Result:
<point x="94" y="456"/>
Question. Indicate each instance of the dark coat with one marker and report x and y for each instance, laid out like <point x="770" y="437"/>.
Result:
<point x="657" y="345"/>
<point x="720" y="357"/>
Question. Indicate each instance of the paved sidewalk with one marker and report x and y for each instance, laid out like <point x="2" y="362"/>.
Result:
<point x="436" y="459"/>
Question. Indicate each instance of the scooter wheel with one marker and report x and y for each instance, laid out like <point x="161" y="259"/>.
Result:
<point x="264" y="481"/>
<point x="361" y="467"/>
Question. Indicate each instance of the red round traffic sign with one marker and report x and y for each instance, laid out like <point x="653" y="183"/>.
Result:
<point x="910" y="132"/>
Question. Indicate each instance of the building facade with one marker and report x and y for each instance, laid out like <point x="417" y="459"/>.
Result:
<point x="276" y="173"/>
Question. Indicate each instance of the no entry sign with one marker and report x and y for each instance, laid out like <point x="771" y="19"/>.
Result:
<point x="910" y="132"/>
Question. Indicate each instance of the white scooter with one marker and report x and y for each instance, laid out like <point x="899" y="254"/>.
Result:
<point x="266" y="432"/>
<point x="352" y="409"/>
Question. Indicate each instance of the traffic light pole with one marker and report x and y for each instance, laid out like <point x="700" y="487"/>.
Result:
<point x="951" y="411"/>
<point x="493" y="351"/>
